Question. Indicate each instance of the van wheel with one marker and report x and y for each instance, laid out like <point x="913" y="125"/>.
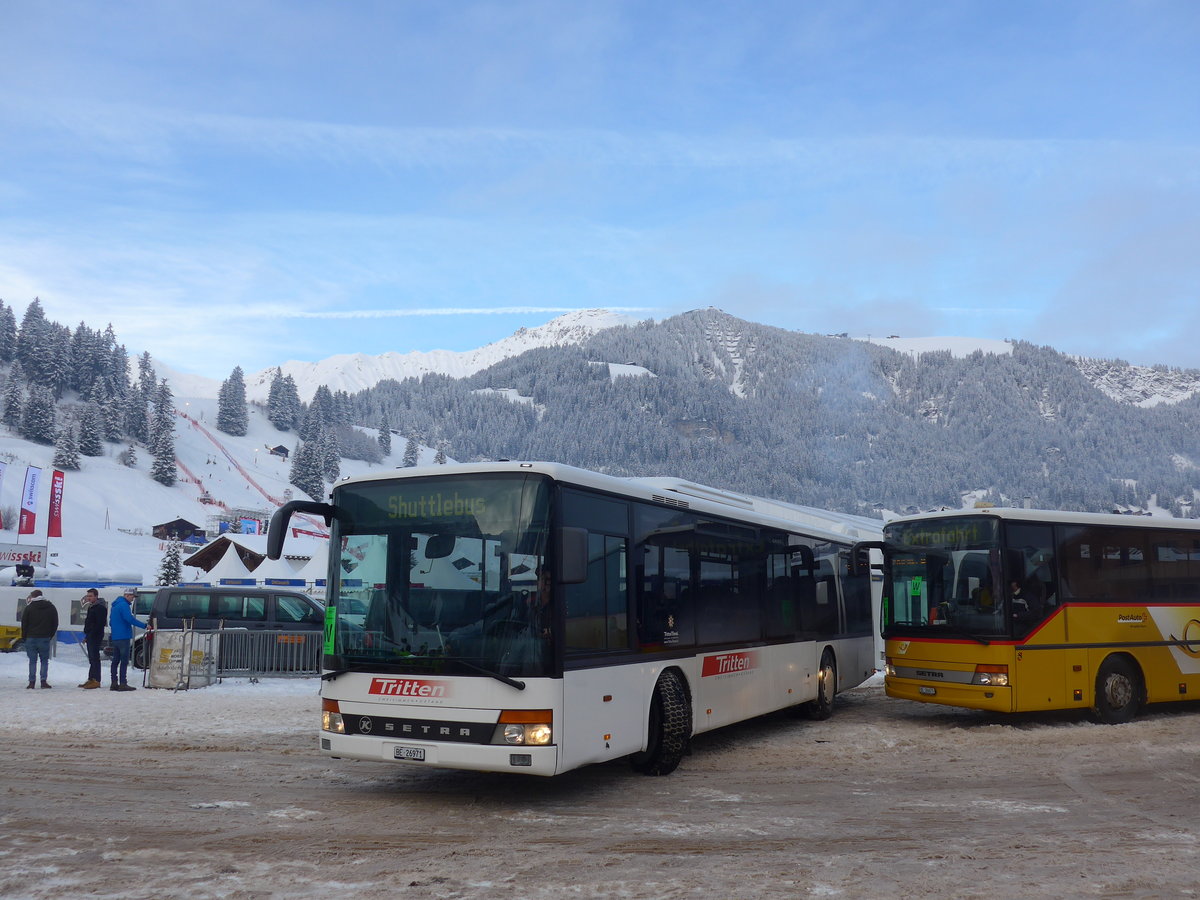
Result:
<point x="1118" y="692"/>
<point x="139" y="653"/>
<point x="822" y="707"/>
<point x="670" y="727"/>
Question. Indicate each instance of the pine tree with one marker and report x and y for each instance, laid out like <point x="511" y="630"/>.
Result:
<point x="37" y="418"/>
<point x="385" y="436"/>
<point x="110" y="417"/>
<point x="232" y="417"/>
<point x="170" y="573"/>
<point x="283" y="402"/>
<point x="66" y="449"/>
<point x="14" y="397"/>
<point x="147" y="377"/>
<point x="128" y="457"/>
<point x="331" y="457"/>
<point x="306" y="470"/>
<point x="163" y="469"/>
<point x="91" y="431"/>
<point x="164" y="414"/>
<point x="32" y="349"/>
<point x="8" y="334"/>
<point x="412" y="452"/>
<point x="439" y="458"/>
<point x="137" y="416"/>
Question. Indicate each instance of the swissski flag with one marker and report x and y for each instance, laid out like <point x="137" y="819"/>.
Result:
<point x="33" y="477"/>
<point x="54" y="526"/>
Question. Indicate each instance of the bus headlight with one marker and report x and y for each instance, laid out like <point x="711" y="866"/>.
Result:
<point x="331" y="717"/>
<point x="531" y="727"/>
<point x="536" y="735"/>
<point x="993" y="676"/>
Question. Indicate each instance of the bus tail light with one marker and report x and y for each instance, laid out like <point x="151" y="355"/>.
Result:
<point x="528" y="727"/>
<point x="996" y="676"/>
<point x="331" y="717"/>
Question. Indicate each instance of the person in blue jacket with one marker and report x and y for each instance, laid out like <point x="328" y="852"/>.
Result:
<point x="120" y="627"/>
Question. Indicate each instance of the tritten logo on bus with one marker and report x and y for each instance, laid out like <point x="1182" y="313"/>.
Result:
<point x="729" y="663"/>
<point x="410" y="688"/>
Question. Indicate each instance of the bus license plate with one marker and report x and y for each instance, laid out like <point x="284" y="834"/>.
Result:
<point x="928" y="691"/>
<point x="413" y="753"/>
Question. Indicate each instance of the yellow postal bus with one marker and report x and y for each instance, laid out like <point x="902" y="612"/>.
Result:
<point x="1016" y="610"/>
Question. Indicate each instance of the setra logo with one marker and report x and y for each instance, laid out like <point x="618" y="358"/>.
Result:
<point x="415" y="688"/>
<point x="729" y="663"/>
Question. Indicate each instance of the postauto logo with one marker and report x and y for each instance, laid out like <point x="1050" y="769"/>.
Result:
<point x="410" y="688"/>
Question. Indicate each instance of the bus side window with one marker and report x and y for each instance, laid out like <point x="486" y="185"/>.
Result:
<point x="597" y="610"/>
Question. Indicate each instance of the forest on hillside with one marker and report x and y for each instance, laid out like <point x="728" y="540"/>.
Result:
<point x="819" y="420"/>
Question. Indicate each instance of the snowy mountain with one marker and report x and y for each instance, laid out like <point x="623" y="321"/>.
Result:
<point x="1139" y="385"/>
<point x="838" y="422"/>
<point x="352" y="372"/>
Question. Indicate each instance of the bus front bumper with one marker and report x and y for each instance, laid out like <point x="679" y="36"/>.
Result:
<point x="969" y="696"/>
<point x="523" y="760"/>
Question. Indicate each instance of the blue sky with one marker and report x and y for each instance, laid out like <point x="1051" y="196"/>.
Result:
<point x="243" y="183"/>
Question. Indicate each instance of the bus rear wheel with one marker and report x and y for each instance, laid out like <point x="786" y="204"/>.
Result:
<point x="1118" y="692"/>
<point x="670" y="727"/>
<point x="822" y="706"/>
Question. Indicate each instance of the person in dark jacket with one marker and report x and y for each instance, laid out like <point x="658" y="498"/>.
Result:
<point x="39" y="625"/>
<point x="94" y="622"/>
<point x="120" y="623"/>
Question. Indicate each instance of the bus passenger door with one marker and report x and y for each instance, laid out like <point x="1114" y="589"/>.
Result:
<point x="1040" y="674"/>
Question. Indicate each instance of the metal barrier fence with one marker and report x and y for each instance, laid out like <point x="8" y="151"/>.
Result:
<point x="195" y="658"/>
<point x="269" y="654"/>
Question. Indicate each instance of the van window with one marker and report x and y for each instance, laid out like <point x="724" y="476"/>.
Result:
<point x="188" y="606"/>
<point x="237" y="607"/>
<point x="289" y="609"/>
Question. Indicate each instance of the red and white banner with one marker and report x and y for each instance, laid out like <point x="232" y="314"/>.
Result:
<point x="33" y="477"/>
<point x="3" y="469"/>
<point x="54" y="526"/>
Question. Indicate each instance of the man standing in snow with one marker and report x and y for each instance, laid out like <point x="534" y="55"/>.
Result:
<point x="120" y="623"/>
<point x="95" y="618"/>
<point x="39" y="625"/>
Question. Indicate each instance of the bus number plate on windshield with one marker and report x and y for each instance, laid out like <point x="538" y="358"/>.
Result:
<point x="414" y="753"/>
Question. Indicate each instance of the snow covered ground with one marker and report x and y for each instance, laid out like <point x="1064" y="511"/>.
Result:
<point x="221" y="793"/>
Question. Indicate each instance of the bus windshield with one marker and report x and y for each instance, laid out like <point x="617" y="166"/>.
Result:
<point x="442" y="574"/>
<point x="945" y="579"/>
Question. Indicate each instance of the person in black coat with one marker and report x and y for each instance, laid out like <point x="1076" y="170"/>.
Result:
<point x="93" y="633"/>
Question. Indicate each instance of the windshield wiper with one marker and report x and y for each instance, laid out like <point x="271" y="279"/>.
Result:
<point x="940" y="628"/>
<point x="966" y="634"/>
<point x="511" y="682"/>
<point x="329" y="676"/>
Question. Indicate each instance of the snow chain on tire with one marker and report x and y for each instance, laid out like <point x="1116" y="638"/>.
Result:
<point x="670" y="727"/>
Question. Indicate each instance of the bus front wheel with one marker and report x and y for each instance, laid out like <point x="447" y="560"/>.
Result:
<point x="670" y="727"/>
<point x="822" y="706"/>
<point x="1118" y="691"/>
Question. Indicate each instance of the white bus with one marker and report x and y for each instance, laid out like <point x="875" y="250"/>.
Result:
<point x="533" y="617"/>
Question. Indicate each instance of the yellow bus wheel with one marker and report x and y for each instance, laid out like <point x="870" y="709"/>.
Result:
<point x="1118" y="691"/>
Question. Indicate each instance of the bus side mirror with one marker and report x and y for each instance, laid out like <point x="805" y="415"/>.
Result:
<point x="860" y="556"/>
<point x="572" y="555"/>
<point x="279" y="522"/>
<point x="439" y="546"/>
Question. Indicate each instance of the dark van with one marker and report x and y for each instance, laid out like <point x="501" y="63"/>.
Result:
<point x="211" y="608"/>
